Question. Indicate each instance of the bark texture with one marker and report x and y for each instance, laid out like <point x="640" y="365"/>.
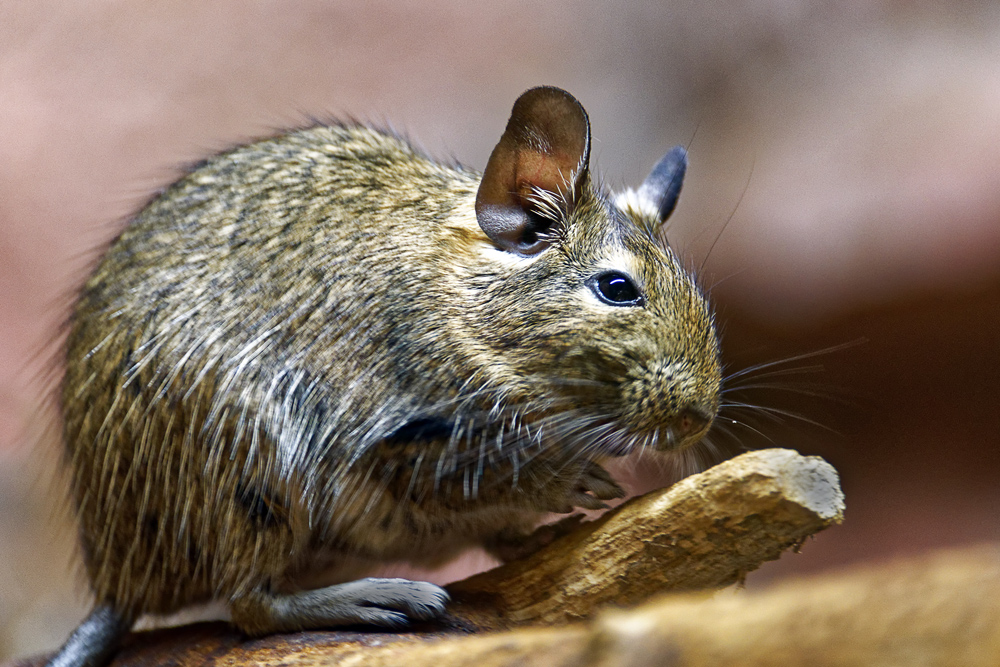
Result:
<point x="704" y="533"/>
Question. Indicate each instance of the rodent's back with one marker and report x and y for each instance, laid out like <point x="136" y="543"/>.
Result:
<point x="274" y="232"/>
<point x="269" y="272"/>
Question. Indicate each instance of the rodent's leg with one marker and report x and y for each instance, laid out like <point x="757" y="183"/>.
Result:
<point x="94" y="641"/>
<point x="513" y="544"/>
<point x="387" y="602"/>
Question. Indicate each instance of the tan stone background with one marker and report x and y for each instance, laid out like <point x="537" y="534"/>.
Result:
<point x="858" y="144"/>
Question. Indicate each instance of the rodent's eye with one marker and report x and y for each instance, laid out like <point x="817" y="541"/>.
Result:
<point x="615" y="289"/>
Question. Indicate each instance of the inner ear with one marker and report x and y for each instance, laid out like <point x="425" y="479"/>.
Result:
<point x="544" y="153"/>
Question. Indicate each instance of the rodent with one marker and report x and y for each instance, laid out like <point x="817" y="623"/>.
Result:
<point x="325" y="345"/>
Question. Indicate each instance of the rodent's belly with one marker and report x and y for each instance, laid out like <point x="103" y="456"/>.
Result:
<point x="430" y="534"/>
<point x="412" y="536"/>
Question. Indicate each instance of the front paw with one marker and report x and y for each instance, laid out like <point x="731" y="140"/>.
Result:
<point x="599" y="482"/>
<point x="593" y="486"/>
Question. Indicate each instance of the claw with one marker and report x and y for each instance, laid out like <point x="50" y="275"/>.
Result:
<point x="587" y="502"/>
<point x="599" y="482"/>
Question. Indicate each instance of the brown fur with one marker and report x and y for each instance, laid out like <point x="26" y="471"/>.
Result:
<point x="307" y="348"/>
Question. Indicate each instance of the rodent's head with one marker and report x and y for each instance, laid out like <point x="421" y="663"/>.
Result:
<point x="610" y="339"/>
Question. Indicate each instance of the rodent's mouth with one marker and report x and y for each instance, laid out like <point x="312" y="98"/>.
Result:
<point x="685" y="431"/>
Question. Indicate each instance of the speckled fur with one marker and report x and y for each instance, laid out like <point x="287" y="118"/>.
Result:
<point x="307" y="349"/>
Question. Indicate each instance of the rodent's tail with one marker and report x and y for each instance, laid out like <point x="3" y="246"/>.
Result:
<point x="95" y="640"/>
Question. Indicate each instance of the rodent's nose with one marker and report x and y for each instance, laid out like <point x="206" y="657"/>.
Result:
<point x="689" y="422"/>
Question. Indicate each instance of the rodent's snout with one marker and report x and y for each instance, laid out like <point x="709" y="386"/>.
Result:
<point x="688" y="427"/>
<point x="673" y="403"/>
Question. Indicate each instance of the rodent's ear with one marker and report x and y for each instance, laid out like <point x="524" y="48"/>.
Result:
<point x="663" y="185"/>
<point x="542" y="157"/>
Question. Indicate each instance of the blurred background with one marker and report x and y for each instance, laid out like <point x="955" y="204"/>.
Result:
<point x="844" y="188"/>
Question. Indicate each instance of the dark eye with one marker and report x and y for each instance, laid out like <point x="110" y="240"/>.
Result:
<point x="615" y="289"/>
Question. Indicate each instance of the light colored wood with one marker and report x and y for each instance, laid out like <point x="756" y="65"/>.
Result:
<point x="703" y="533"/>
<point x="938" y="610"/>
<point x="942" y="609"/>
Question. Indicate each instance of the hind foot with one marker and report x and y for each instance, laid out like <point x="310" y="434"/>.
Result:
<point x="390" y="603"/>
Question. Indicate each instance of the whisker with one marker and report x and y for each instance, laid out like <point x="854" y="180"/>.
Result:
<point x="776" y="414"/>
<point x="779" y="372"/>
<point x="732" y="214"/>
<point x="802" y="389"/>
<point x="799" y="357"/>
<point x="747" y="426"/>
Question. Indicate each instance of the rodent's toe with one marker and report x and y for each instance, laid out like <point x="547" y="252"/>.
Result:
<point x="585" y="501"/>
<point x="416" y="599"/>
<point x="606" y="491"/>
<point x="599" y="482"/>
<point x="429" y="602"/>
<point x="385" y="618"/>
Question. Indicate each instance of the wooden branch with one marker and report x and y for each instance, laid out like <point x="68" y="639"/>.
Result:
<point x="703" y="533"/>
<point x="942" y="609"/>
